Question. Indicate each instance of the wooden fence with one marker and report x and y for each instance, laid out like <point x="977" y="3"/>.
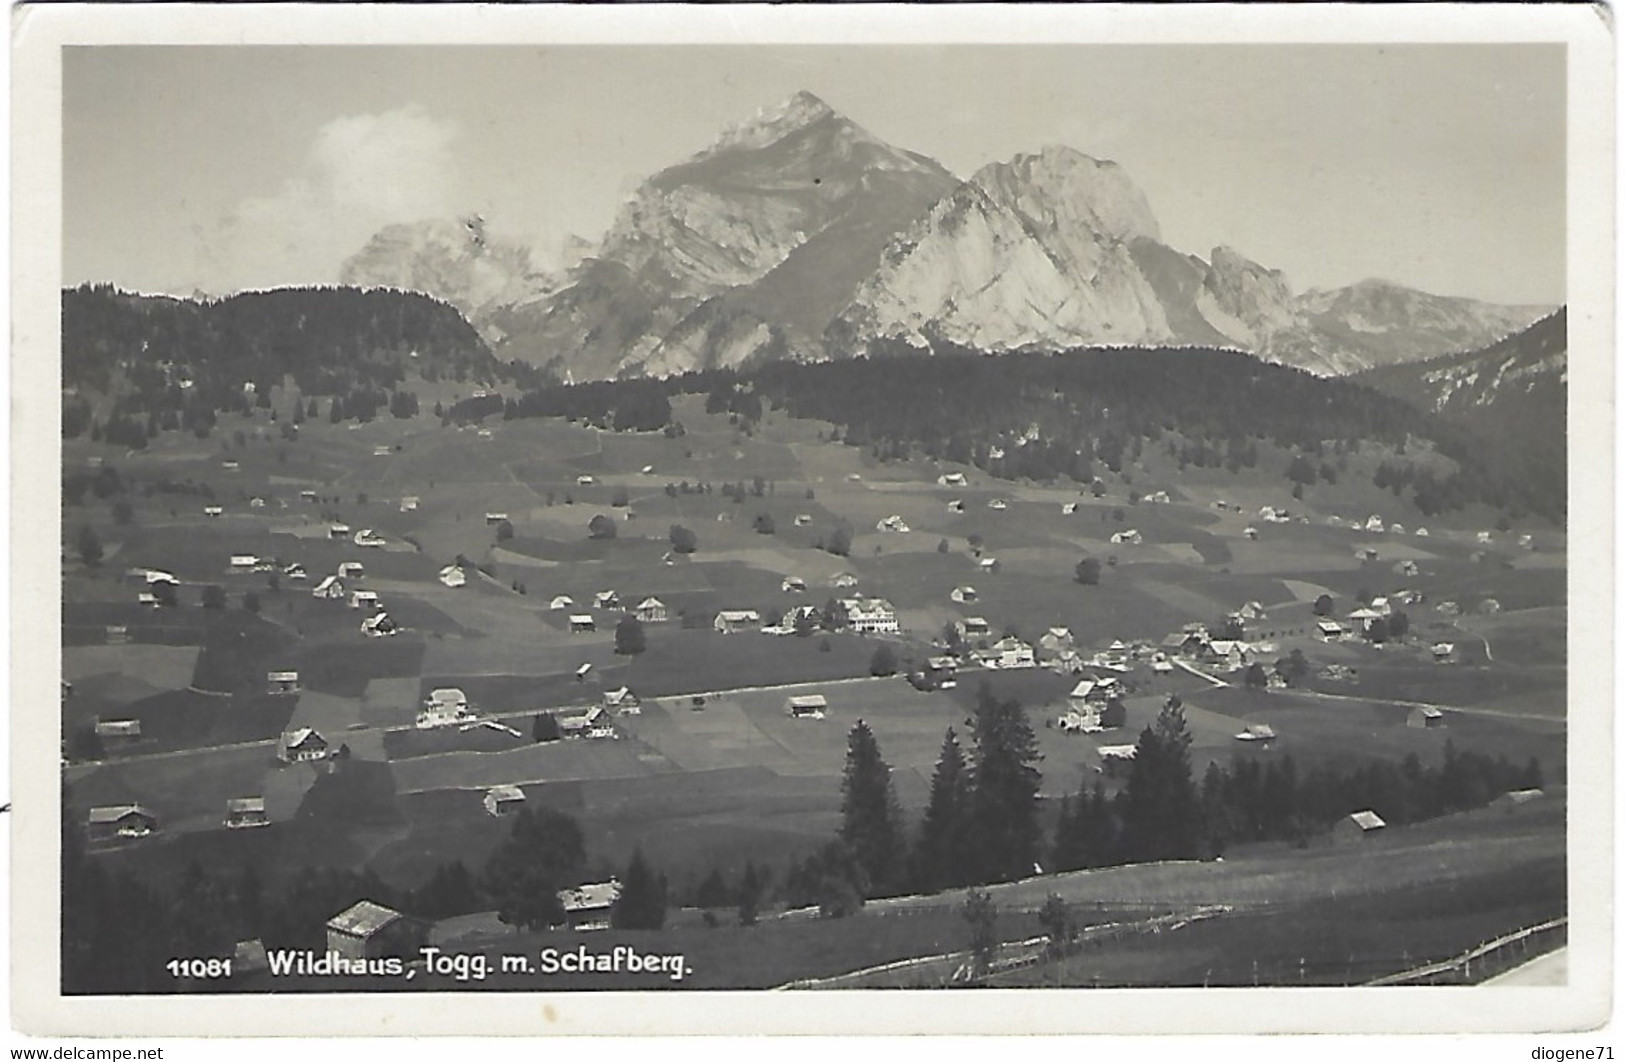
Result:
<point x="1489" y="958"/>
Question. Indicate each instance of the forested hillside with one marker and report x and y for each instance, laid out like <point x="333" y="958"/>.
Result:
<point x="1081" y="414"/>
<point x="140" y="364"/>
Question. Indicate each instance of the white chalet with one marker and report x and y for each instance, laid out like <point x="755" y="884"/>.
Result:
<point x="445" y="706"/>
<point x="870" y="615"/>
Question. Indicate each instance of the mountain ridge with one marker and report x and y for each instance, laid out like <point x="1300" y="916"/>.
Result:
<point x="799" y="234"/>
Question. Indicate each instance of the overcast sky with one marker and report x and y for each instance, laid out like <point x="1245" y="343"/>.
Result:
<point x="1437" y="166"/>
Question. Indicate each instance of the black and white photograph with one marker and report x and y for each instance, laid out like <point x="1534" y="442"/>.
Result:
<point x="666" y="501"/>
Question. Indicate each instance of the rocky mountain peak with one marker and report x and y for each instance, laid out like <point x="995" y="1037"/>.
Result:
<point x="774" y="122"/>
<point x="454" y="259"/>
<point x="1061" y="187"/>
<point x="1227" y="260"/>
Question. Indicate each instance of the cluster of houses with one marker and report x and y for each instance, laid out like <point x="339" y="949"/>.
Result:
<point x="377" y="623"/>
<point x="860" y="614"/>
<point x="1376" y="525"/>
<point x="1361" y="619"/>
<point x="1094" y="705"/>
<point x="649" y="610"/>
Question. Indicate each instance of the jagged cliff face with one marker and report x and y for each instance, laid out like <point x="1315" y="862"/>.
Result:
<point x="983" y="272"/>
<point x="745" y="250"/>
<point x="1029" y="252"/>
<point x="455" y="260"/>
<point x="798" y="234"/>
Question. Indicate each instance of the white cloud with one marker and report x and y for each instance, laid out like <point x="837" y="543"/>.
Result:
<point x="362" y="172"/>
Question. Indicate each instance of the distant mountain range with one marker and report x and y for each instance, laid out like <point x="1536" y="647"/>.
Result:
<point x="799" y="234"/>
<point x="1512" y="396"/>
<point x="1525" y="371"/>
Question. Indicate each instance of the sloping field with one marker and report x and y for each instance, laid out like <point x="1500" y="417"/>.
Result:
<point x="1455" y="848"/>
<point x="328" y="715"/>
<point x="719" y="736"/>
<point x="1352" y="730"/>
<point x="698" y="661"/>
<point x="185" y="795"/>
<point x="166" y="667"/>
<point x="345" y="669"/>
<point x="390" y="701"/>
<point x="1339" y="940"/>
<point x="1526" y="638"/>
<point x="560" y="761"/>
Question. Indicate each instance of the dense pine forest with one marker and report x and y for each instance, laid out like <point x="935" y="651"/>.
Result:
<point x="1077" y="414"/>
<point x="175" y="364"/>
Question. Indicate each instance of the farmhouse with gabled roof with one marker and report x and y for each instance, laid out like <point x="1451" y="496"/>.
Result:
<point x="120" y="820"/>
<point x="370" y="930"/>
<point x="589" y="906"/>
<point x="243" y="813"/>
<point x="301" y="746"/>
<point x="807" y="706"/>
<point x="1359" y="826"/>
<point x="733" y="621"/>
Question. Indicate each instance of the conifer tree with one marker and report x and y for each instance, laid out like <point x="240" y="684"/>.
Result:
<point x="870" y="816"/>
<point x="1003" y="819"/>
<point x="523" y="875"/>
<point x="1161" y="815"/>
<point x="642" y="903"/>
<point x="940" y="857"/>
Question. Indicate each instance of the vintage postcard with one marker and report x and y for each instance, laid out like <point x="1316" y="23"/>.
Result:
<point x="652" y="519"/>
